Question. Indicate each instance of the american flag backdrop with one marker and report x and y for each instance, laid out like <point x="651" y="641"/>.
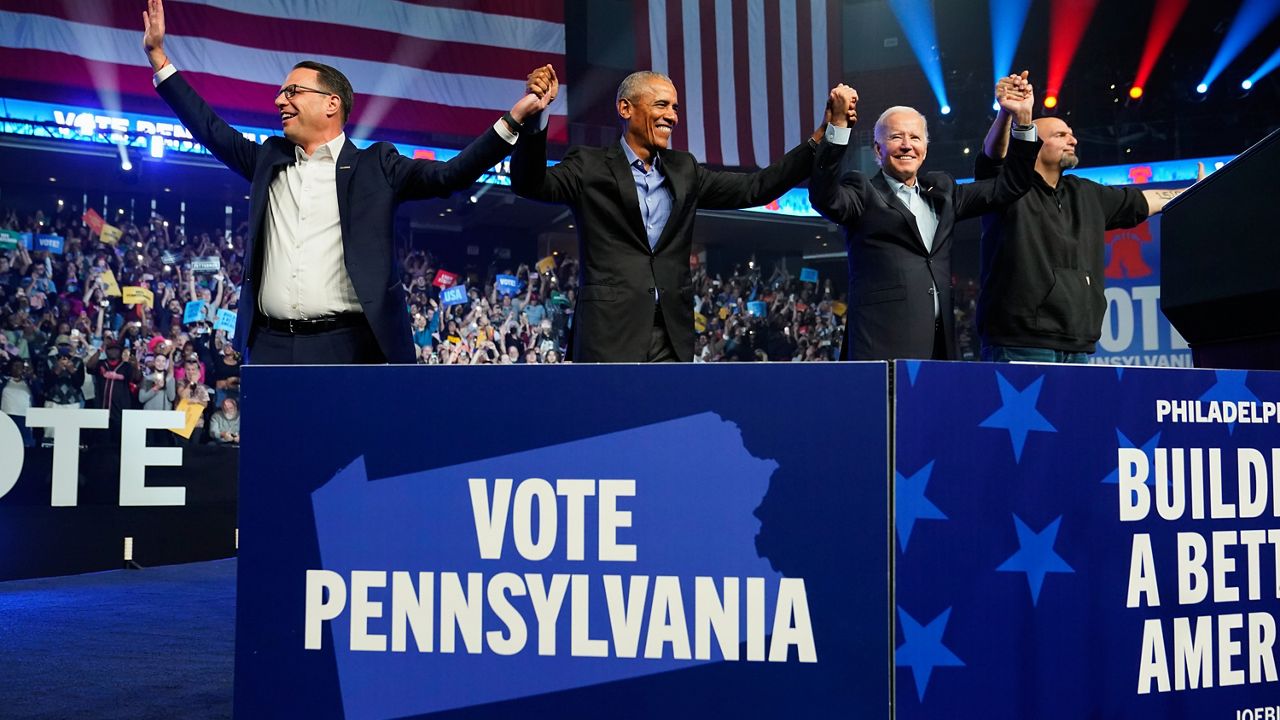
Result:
<point x="752" y="75"/>
<point x="434" y="66"/>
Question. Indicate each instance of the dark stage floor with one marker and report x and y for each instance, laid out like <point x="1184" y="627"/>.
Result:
<point x="153" y="643"/>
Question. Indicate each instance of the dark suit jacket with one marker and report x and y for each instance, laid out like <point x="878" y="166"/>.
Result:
<point x="371" y="185"/>
<point x="891" y="275"/>
<point x="614" y="314"/>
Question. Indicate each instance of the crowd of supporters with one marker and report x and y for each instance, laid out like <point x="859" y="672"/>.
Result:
<point x="134" y="321"/>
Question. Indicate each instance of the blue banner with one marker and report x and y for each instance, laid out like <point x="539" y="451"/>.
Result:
<point x="499" y="568"/>
<point x="456" y="295"/>
<point x="193" y="312"/>
<point x="226" y="321"/>
<point x="52" y="243"/>
<point x="508" y="285"/>
<point x="1085" y="542"/>
<point x="809" y="275"/>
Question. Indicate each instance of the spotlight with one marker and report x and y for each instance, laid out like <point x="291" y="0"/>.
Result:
<point x="1202" y="88"/>
<point x="946" y="110"/>
<point x="1051" y="101"/>
<point x="1135" y="92"/>
<point x="1246" y="85"/>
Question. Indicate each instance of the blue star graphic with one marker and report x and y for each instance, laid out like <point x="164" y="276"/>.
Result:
<point x="1148" y="449"/>
<point x="1035" y="555"/>
<point x="913" y="369"/>
<point x="1018" y="413"/>
<point x="923" y="650"/>
<point x="911" y="504"/>
<point x="1230" y="386"/>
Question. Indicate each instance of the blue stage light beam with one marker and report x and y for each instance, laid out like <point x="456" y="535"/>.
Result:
<point x="1008" y="17"/>
<point x="1251" y="19"/>
<point x="1266" y="67"/>
<point x="916" y="19"/>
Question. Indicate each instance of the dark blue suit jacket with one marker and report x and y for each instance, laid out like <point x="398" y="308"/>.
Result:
<point x="892" y="276"/>
<point x="371" y="185"/>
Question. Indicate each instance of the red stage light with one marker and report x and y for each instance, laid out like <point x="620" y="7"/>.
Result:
<point x="1051" y="101"/>
<point x="1067" y="21"/>
<point x="1163" y="21"/>
<point x="1135" y="92"/>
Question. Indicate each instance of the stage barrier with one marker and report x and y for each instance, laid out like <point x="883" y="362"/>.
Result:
<point x="565" y="541"/>
<point x="1085" y="542"/>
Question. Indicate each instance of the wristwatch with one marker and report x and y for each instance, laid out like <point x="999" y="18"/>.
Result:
<point x="514" y="126"/>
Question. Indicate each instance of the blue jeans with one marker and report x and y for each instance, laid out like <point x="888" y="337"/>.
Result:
<point x="1012" y="353"/>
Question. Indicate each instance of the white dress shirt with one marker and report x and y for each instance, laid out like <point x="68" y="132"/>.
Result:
<point x="304" y="272"/>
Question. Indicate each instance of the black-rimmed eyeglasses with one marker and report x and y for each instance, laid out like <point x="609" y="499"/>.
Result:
<point x="290" y="90"/>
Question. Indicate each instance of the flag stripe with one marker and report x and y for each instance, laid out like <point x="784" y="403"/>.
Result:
<point x="727" y="109"/>
<point x="762" y="117"/>
<point x="742" y="81"/>
<point x="264" y="67"/>
<point x="695" y="119"/>
<point x="302" y="37"/>
<point x="821" y="77"/>
<point x="246" y="107"/>
<point x="709" y="106"/>
<point x="416" y="77"/>
<point x="804" y="64"/>
<point x="675" y="68"/>
<point x="549" y="10"/>
<point x="425" y="22"/>
<point x="790" y="73"/>
<point x="777" y="95"/>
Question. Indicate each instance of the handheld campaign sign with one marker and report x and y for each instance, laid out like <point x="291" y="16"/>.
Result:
<point x="94" y="220"/>
<point x="757" y="308"/>
<point x="508" y="285"/>
<point x="1085" y="542"/>
<point x="456" y="295"/>
<point x="444" y="279"/>
<point x="226" y="321"/>
<point x="210" y="264"/>
<point x="110" y="234"/>
<point x="193" y="312"/>
<point x="496" y="568"/>
<point x="809" y="275"/>
<point x="50" y="242"/>
<point x="134" y="295"/>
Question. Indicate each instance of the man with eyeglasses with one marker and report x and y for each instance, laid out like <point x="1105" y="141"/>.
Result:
<point x="322" y="284"/>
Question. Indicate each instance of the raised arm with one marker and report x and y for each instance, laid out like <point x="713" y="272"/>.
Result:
<point x="838" y="198"/>
<point x="1156" y="199"/>
<point x="530" y="176"/>
<point x="996" y="143"/>
<point x="718" y="190"/>
<point x="1015" y="177"/>
<point x="225" y="142"/>
<point x="416" y="179"/>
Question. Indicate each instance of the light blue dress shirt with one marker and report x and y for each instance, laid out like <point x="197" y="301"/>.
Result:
<point x="653" y="193"/>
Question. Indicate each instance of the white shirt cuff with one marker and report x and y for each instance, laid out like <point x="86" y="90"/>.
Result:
<point x="838" y="135"/>
<point x="163" y="74"/>
<point x="1025" y="134"/>
<point x="504" y="132"/>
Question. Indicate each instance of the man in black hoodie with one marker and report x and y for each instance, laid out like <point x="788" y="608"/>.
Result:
<point x="1043" y="256"/>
